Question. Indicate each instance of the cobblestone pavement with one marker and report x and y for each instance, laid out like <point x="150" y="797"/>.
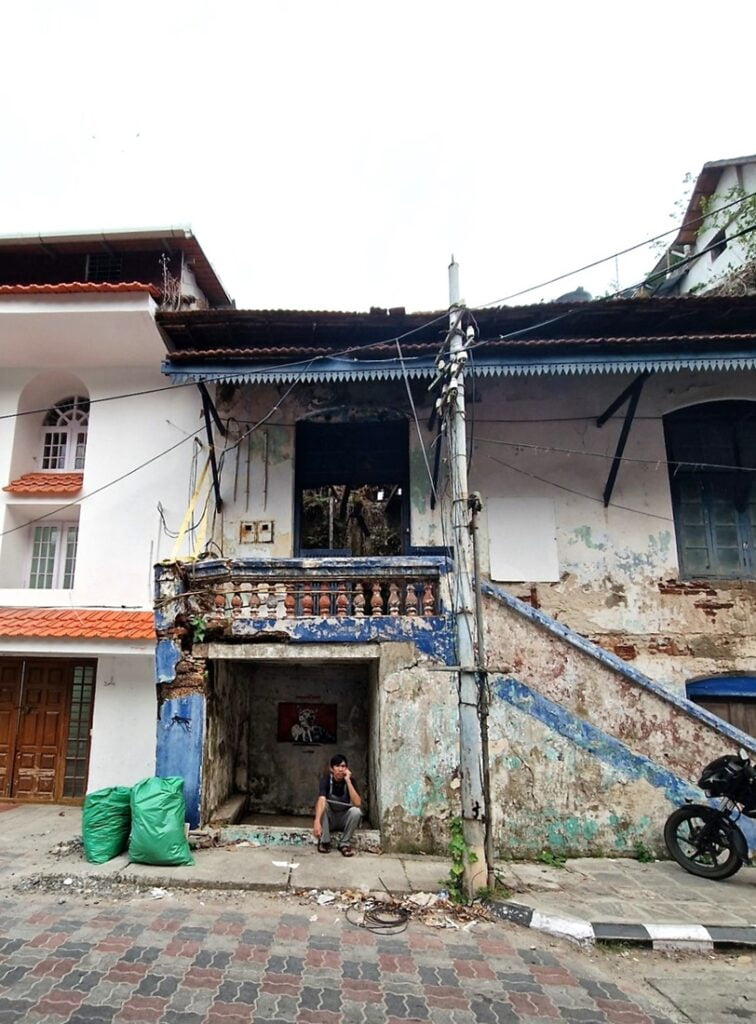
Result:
<point x="181" y="961"/>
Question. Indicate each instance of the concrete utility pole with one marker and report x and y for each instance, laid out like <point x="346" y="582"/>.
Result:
<point x="470" y="754"/>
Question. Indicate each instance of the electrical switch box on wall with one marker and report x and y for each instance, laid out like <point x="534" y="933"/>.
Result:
<point x="264" y="531"/>
<point x="259" y="531"/>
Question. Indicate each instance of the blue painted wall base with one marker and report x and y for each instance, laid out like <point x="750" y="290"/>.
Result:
<point x="180" y="735"/>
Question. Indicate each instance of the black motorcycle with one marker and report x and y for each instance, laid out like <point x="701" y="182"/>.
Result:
<point x="706" y="840"/>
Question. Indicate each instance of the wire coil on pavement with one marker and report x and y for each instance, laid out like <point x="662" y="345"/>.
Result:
<point x="381" y="918"/>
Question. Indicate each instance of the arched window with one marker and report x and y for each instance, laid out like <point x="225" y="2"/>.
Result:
<point x="64" y="441"/>
<point x="712" y="455"/>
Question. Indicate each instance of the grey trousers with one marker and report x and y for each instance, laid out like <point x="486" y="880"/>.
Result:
<point x="346" y="822"/>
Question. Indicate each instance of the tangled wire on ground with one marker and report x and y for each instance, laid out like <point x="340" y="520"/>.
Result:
<point x="382" y="918"/>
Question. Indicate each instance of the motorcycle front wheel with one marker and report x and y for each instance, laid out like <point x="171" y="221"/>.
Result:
<point x="698" y="841"/>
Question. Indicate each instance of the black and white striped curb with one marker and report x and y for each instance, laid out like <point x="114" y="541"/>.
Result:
<point x="693" y="937"/>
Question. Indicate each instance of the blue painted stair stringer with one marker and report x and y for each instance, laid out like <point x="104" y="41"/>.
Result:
<point x="611" y="661"/>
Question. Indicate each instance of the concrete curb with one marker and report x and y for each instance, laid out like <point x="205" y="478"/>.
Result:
<point x="696" y="938"/>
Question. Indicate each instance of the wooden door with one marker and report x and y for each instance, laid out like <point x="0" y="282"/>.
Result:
<point x="738" y="711"/>
<point x="39" y="761"/>
<point x="10" y="694"/>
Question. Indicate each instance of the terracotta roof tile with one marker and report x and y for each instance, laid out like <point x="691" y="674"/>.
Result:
<point x="46" y="483"/>
<point x="77" y="622"/>
<point x="78" y="287"/>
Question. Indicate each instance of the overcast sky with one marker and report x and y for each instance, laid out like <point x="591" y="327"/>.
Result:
<point x="333" y="155"/>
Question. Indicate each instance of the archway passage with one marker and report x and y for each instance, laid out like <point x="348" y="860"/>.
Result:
<point x="352" y="488"/>
<point x="712" y="461"/>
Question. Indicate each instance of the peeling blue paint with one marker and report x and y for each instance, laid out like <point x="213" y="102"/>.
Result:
<point x="180" y="736"/>
<point x="167" y="656"/>
<point x="570" y="831"/>
<point x="583" y="534"/>
<point x="432" y="636"/>
<point x="601" y="745"/>
<point x="617" y="665"/>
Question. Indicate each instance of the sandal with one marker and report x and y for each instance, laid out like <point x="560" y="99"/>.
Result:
<point x="324" y="847"/>
<point x="346" y="851"/>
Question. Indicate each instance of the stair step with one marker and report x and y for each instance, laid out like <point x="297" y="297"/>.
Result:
<point x="367" y="840"/>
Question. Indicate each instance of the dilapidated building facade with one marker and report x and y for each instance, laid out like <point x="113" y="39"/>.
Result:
<point x="613" y="445"/>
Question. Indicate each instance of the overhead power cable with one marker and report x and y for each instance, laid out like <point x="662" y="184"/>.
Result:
<point x="98" y="490"/>
<point x="571" y="490"/>
<point x="615" y="255"/>
<point x="334" y="353"/>
<point x="550" y="449"/>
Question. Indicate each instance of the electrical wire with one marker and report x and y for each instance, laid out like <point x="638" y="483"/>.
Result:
<point x="98" y="490"/>
<point x="678" y="463"/>
<point x="571" y="490"/>
<point x="614" y="255"/>
<point x="363" y="348"/>
<point x="380" y="918"/>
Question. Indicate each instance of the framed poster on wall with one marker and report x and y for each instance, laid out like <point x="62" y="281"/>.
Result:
<point x="306" y="724"/>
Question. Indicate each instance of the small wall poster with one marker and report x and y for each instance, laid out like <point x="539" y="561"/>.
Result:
<point x="306" y="724"/>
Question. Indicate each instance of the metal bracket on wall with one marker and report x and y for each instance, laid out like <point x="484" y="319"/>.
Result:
<point x="631" y="395"/>
<point x="209" y="411"/>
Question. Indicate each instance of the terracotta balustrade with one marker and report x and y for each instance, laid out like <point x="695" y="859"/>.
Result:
<point x="324" y="598"/>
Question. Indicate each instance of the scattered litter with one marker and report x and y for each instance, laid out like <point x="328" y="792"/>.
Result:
<point x="68" y="847"/>
<point x="68" y="881"/>
<point x="284" y="864"/>
<point x="388" y="914"/>
<point x="423" y="899"/>
<point x="313" y="917"/>
<point x="203" y="839"/>
<point x="158" y="894"/>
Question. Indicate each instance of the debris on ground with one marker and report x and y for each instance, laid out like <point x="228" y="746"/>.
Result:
<point x="68" y="848"/>
<point x="203" y="838"/>
<point x="429" y="908"/>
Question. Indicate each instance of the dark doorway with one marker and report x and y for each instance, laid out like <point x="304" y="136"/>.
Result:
<point x="273" y="727"/>
<point x="352" y="488"/>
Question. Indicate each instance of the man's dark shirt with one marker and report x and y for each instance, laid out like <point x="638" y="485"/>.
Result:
<point x="336" y="793"/>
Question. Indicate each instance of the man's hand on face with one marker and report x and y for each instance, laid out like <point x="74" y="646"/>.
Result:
<point x="347" y="774"/>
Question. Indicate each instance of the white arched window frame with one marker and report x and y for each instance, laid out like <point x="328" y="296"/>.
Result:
<point x="64" y="435"/>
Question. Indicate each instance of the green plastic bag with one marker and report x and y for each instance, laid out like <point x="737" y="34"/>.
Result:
<point x="105" y="823"/>
<point x="157" y="822"/>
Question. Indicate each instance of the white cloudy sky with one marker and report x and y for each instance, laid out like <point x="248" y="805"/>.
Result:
<point x="333" y="154"/>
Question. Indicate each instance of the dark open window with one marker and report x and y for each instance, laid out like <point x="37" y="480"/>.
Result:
<point x="712" y="454"/>
<point x="352" y="488"/>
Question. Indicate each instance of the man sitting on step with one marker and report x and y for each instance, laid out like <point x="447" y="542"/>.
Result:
<point x="337" y="808"/>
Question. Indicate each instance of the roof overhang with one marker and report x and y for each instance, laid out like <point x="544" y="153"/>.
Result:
<point x="327" y="370"/>
<point x="599" y="337"/>
<point x="165" y="239"/>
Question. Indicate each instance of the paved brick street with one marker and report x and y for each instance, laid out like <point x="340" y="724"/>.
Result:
<point x="255" y="958"/>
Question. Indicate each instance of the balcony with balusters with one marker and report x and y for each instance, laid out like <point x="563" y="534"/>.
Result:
<point x="338" y="599"/>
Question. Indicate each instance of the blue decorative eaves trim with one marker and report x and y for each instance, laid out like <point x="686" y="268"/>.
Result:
<point x="601" y="745"/>
<point x="558" y="629"/>
<point x="487" y="364"/>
